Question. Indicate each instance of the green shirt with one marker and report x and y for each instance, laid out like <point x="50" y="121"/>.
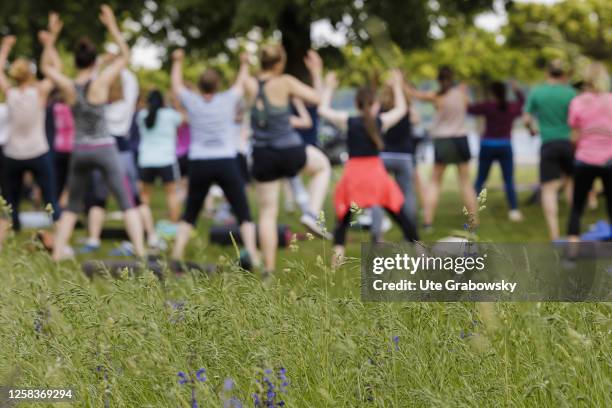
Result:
<point x="549" y="103"/>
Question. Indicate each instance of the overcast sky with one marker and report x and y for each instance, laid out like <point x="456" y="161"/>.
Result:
<point x="147" y="56"/>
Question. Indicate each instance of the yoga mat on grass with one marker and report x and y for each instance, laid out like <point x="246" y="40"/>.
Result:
<point x="222" y="235"/>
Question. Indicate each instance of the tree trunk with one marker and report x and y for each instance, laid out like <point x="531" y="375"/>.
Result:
<point x="294" y="24"/>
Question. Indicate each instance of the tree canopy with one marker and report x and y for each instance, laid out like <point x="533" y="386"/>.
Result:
<point x="417" y="35"/>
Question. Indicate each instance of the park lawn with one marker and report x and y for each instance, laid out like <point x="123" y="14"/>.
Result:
<point x="121" y="342"/>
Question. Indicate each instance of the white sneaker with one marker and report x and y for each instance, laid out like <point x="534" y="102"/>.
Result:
<point x="310" y="222"/>
<point x="515" y="216"/>
<point x="157" y="243"/>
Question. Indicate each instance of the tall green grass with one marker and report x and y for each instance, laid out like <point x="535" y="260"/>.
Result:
<point x="122" y="342"/>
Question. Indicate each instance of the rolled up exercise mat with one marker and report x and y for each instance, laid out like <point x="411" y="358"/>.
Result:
<point x="109" y="233"/>
<point x="600" y="231"/>
<point x="35" y="219"/>
<point x="135" y="267"/>
<point x="222" y="235"/>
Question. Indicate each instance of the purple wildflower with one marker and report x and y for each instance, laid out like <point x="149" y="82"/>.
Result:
<point x="282" y="376"/>
<point x="201" y="375"/>
<point x="190" y="379"/>
<point x="270" y="388"/>
<point x="230" y="401"/>
<point x="194" y="402"/>
<point x="396" y="342"/>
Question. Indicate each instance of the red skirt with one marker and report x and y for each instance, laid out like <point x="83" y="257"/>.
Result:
<point x="366" y="183"/>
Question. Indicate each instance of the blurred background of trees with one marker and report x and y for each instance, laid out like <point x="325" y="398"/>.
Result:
<point x="418" y="35"/>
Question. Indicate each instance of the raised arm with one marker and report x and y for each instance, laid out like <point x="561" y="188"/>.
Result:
<point x="302" y="120"/>
<point x="176" y="74"/>
<point x="337" y="118"/>
<point x="242" y="79"/>
<point x="425" y="96"/>
<point x="110" y="73"/>
<point x="5" y="50"/>
<point x="50" y="69"/>
<point x="50" y="57"/>
<point x="518" y="92"/>
<point x="400" y="107"/>
<point x="309" y="94"/>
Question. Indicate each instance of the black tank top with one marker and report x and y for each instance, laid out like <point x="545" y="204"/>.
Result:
<point x="399" y="138"/>
<point x="358" y="142"/>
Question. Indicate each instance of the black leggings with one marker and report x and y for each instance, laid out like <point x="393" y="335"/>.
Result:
<point x="12" y="184"/>
<point x="402" y="219"/>
<point x="584" y="176"/>
<point x="225" y="173"/>
<point x="62" y="167"/>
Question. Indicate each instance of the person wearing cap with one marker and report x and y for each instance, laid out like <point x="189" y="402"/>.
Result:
<point x="548" y="104"/>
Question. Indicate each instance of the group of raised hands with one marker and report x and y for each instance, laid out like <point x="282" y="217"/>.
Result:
<point x="49" y="36"/>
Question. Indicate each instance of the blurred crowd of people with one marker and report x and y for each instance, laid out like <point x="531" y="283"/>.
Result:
<point x="81" y="139"/>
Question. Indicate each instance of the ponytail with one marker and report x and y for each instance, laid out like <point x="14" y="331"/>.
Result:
<point x="155" y="102"/>
<point x="498" y="89"/>
<point x="365" y="100"/>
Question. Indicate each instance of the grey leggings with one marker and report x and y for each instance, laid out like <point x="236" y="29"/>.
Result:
<point x="402" y="168"/>
<point x="98" y="192"/>
<point x="106" y="159"/>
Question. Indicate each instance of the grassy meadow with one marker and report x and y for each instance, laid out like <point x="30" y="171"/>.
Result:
<point x="301" y="339"/>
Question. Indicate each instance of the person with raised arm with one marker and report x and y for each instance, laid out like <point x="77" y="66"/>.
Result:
<point x="451" y="147"/>
<point x="365" y="181"/>
<point x="278" y="150"/>
<point x="27" y="148"/>
<point x="496" y="140"/>
<point x="213" y="150"/>
<point x="94" y="146"/>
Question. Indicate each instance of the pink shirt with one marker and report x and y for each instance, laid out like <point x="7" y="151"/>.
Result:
<point x="591" y="114"/>
<point x="183" y="140"/>
<point x="64" y="128"/>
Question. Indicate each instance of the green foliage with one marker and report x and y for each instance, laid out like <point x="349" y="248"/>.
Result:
<point x="569" y="28"/>
<point x="25" y="18"/>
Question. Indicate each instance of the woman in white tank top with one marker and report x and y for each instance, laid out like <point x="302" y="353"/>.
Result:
<point x="26" y="149"/>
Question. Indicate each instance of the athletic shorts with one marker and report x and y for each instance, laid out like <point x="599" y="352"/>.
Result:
<point x="167" y="174"/>
<point x="556" y="160"/>
<point x="452" y="150"/>
<point x="271" y="163"/>
<point x="183" y="163"/>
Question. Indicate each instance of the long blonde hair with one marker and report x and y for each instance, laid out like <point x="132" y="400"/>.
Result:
<point x="21" y="71"/>
<point x="596" y="77"/>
